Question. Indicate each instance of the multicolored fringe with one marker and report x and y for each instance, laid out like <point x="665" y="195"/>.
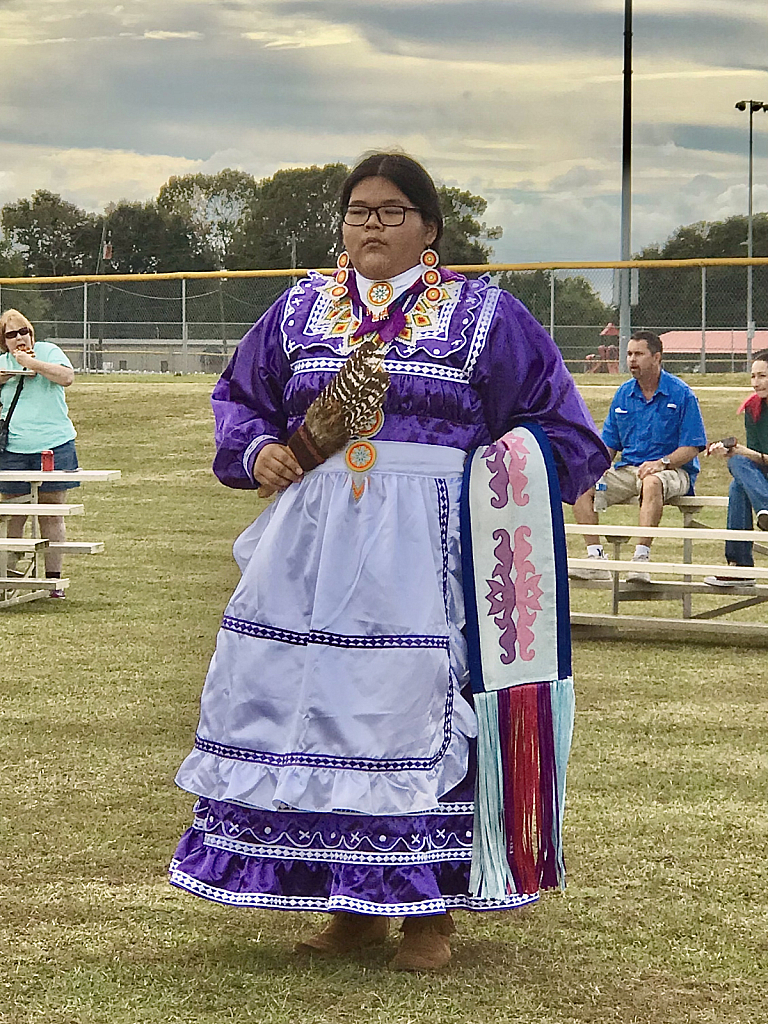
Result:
<point x="524" y="736"/>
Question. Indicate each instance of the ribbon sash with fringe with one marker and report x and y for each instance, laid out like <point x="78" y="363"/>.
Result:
<point x="519" y="643"/>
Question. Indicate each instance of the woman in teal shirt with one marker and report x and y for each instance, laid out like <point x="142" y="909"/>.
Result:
<point x="40" y="422"/>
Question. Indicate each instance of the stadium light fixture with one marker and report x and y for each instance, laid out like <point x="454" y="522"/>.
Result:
<point x="753" y="106"/>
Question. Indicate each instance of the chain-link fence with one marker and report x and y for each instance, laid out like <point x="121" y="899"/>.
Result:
<point x="192" y="324"/>
<point x="168" y="326"/>
<point x="700" y="312"/>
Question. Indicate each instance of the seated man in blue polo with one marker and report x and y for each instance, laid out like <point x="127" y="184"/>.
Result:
<point x="655" y="424"/>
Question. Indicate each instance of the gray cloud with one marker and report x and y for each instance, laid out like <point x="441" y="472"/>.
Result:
<point x="190" y="96"/>
<point x="174" y="95"/>
<point x="577" y="179"/>
<point x="493" y="29"/>
<point x="731" y="139"/>
<point x="516" y="100"/>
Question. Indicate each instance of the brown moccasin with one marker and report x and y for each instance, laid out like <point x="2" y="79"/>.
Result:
<point x="345" y="934"/>
<point x="425" y="945"/>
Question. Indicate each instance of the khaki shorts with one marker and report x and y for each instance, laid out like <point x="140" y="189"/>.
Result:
<point x="622" y="486"/>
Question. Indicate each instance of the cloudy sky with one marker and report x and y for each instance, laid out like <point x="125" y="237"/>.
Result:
<point x="517" y="100"/>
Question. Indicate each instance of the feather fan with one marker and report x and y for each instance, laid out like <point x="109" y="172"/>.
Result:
<point x="344" y="407"/>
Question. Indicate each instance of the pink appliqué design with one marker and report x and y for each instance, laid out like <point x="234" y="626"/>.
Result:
<point x="528" y="591"/>
<point x="503" y="475"/>
<point x="501" y="596"/>
<point x="523" y="593"/>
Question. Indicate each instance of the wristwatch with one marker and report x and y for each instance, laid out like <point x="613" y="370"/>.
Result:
<point x="665" y="462"/>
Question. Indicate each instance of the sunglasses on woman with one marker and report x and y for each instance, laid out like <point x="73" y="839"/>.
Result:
<point x="20" y="333"/>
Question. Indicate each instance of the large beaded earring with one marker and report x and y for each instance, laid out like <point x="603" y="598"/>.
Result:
<point x="431" y="276"/>
<point x="340" y="290"/>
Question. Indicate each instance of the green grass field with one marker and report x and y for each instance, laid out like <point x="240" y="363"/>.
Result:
<point x="665" y="919"/>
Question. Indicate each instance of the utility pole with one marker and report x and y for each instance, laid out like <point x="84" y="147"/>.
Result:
<point x="626" y="191"/>
<point x="224" y="359"/>
<point x="99" y="259"/>
<point x="292" y="238"/>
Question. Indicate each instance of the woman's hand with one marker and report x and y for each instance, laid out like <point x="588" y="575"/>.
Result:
<point x="724" y="451"/>
<point x="54" y="372"/>
<point x="276" y="468"/>
<point x="24" y="356"/>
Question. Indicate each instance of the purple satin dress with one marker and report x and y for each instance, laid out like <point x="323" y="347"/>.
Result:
<point x="463" y="370"/>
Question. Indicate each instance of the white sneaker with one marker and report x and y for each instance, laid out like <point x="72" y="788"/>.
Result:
<point x="728" y="581"/>
<point x="762" y="519"/>
<point x="639" y="577"/>
<point x="591" y="574"/>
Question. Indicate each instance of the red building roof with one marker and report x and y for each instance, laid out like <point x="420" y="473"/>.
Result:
<point x="715" y="342"/>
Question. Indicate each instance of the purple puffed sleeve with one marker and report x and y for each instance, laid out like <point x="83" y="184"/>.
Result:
<point x="248" y="401"/>
<point x="520" y="375"/>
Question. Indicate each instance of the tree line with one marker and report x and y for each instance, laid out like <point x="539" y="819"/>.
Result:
<point x="224" y="221"/>
<point x="228" y="221"/>
<point x="232" y="221"/>
<point x="673" y="299"/>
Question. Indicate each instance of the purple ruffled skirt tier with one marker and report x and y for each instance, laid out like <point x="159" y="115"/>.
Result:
<point x="394" y="866"/>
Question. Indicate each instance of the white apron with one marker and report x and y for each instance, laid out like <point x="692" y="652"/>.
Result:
<point x="335" y="681"/>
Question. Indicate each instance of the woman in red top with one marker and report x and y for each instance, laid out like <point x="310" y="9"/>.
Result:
<point x="748" y="465"/>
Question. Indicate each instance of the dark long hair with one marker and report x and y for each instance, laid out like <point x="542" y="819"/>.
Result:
<point x="407" y="175"/>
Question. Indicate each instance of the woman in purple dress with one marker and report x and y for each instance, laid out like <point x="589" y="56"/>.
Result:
<point x="333" y="763"/>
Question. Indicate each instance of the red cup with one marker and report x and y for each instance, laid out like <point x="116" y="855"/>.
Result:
<point x="46" y="461"/>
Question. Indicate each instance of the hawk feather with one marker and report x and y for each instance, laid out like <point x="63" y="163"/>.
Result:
<point x="344" y="407"/>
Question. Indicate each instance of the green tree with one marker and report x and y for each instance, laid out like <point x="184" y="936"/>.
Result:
<point x="213" y="205"/>
<point x="225" y="220"/>
<point x="147" y="239"/>
<point x="27" y="297"/>
<point x="24" y="296"/>
<point x="580" y="313"/>
<point x="298" y="208"/>
<point x="672" y="298"/>
<point x="11" y="263"/>
<point x="301" y="207"/>
<point x="577" y="303"/>
<point x="464" y="234"/>
<point x="52" y="236"/>
<point x="532" y="288"/>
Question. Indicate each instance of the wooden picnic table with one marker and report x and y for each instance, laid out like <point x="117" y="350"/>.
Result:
<point x="30" y="583"/>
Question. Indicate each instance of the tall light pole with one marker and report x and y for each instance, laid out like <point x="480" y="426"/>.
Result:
<point x="752" y="106"/>
<point x="626" y="189"/>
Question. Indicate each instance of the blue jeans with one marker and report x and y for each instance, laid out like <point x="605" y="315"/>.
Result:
<point x="748" y="491"/>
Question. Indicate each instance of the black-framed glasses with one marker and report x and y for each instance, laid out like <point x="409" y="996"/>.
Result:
<point x="20" y="333"/>
<point x="390" y="215"/>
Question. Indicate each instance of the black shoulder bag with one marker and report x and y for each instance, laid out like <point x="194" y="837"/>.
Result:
<point x="6" y="419"/>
